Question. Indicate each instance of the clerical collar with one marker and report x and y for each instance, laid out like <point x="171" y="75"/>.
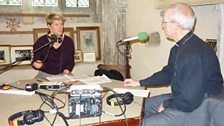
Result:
<point x="184" y="39"/>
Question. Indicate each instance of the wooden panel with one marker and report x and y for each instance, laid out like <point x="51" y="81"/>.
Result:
<point x="131" y="122"/>
<point x="165" y="3"/>
<point x="41" y="15"/>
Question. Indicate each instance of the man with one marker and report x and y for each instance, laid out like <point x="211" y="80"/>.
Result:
<point x="193" y="71"/>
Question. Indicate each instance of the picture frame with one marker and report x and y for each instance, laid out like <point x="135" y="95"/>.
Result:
<point x="212" y="43"/>
<point x="37" y="32"/>
<point x="19" y="51"/>
<point x="89" y="57"/>
<point x="4" y="54"/>
<point x="88" y="40"/>
<point x="78" y="56"/>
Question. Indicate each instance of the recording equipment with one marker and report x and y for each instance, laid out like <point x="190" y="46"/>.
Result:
<point x="125" y="98"/>
<point x="29" y="117"/>
<point x="5" y="86"/>
<point x="45" y="86"/>
<point x="59" y="39"/>
<point x="142" y="36"/>
<point x="85" y="101"/>
<point x="31" y="87"/>
<point x="53" y="39"/>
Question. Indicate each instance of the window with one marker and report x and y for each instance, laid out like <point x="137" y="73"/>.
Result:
<point x="46" y="6"/>
<point x="49" y="3"/>
<point x="44" y="2"/>
<point x="77" y="3"/>
<point x="68" y="3"/>
<point x="10" y="2"/>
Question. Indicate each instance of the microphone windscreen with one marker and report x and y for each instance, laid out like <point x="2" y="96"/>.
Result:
<point x="143" y="36"/>
<point x="54" y="38"/>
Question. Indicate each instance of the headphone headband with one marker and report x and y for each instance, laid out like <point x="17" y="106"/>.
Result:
<point x="29" y="117"/>
<point x="126" y="98"/>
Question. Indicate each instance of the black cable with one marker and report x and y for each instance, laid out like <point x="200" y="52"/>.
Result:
<point x="116" y="96"/>
<point x="49" y="101"/>
<point x="48" y="52"/>
<point x="63" y="117"/>
<point x="45" y="98"/>
<point x="118" y="44"/>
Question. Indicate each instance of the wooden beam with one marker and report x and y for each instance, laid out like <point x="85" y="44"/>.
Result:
<point x="16" y="32"/>
<point x="41" y="15"/>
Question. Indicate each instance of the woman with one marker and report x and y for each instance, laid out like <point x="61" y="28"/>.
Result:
<point x="58" y="56"/>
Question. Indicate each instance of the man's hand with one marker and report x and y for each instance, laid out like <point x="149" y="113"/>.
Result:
<point x="161" y="108"/>
<point x="131" y="83"/>
<point x="38" y="64"/>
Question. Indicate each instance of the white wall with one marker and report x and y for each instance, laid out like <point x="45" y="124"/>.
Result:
<point x="151" y="57"/>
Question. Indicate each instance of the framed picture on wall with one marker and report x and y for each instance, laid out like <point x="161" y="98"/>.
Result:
<point x="4" y="54"/>
<point x="78" y="56"/>
<point x="37" y="32"/>
<point x="88" y="40"/>
<point x="21" y="53"/>
<point x="89" y="57"/>
<point x="212" y="43"/>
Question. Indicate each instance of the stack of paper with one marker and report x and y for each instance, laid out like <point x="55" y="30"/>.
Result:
<point x="135" y="92"/>
<point x="95" y="80"/>
<point x="61" y="78"/>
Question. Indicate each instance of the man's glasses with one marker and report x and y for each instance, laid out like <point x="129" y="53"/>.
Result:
<point x="165" y="22"/>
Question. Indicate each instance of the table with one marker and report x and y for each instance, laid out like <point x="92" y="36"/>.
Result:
<point x="11" y="104"/>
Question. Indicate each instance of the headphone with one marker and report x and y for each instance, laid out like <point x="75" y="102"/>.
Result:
<point x="126" y="98"/>
<point x="29" y="117"/>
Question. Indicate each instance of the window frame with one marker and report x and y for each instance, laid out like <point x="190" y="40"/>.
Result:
<point x="46" y="9"/>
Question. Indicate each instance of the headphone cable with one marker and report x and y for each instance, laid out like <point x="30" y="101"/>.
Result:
<point x="116" y="96"/>
<point x="50" y="98"/>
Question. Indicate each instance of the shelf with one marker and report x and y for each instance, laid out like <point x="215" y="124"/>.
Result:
<point x="16" y="32"/>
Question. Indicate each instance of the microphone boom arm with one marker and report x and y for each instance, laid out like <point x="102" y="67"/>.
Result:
<point x="3" y="69"/>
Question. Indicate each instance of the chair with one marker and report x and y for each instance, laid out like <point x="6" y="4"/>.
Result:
<point x="119" y="68"/>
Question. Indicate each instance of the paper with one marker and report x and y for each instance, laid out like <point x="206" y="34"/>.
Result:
<point x="95" y="80"/>
<point x="135" y="92"/>
<point x="17" y="92"/>
<point x="61" y="78"/>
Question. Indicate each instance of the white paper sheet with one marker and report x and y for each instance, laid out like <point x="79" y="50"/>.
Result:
<point x="135" y="92"/>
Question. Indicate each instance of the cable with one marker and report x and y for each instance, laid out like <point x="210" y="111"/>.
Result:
<point x="49" y="101"/>
<point x="48" y="52"/>
<point x="116" y="96"/>
<point x="123" y="53"/>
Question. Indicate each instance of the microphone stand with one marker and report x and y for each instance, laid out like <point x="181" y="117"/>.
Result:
<point x="127" y="57"/>
<point x="3" y="69"/>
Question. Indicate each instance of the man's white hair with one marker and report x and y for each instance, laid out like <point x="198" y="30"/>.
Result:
<point x="185" y="21"/>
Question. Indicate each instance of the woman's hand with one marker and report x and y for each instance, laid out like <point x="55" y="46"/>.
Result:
<point x="38" y="64"/>
<point x="66" y="71"/>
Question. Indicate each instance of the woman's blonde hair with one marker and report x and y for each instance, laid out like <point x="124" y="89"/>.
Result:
<point x="54" y="16"/>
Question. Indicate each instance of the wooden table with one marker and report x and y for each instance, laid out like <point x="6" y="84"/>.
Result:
<point x="11" y="104"/>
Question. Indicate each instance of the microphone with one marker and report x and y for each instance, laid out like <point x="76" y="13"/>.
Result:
<point x="53" y="39"/>
<point x="142" y="36"/>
